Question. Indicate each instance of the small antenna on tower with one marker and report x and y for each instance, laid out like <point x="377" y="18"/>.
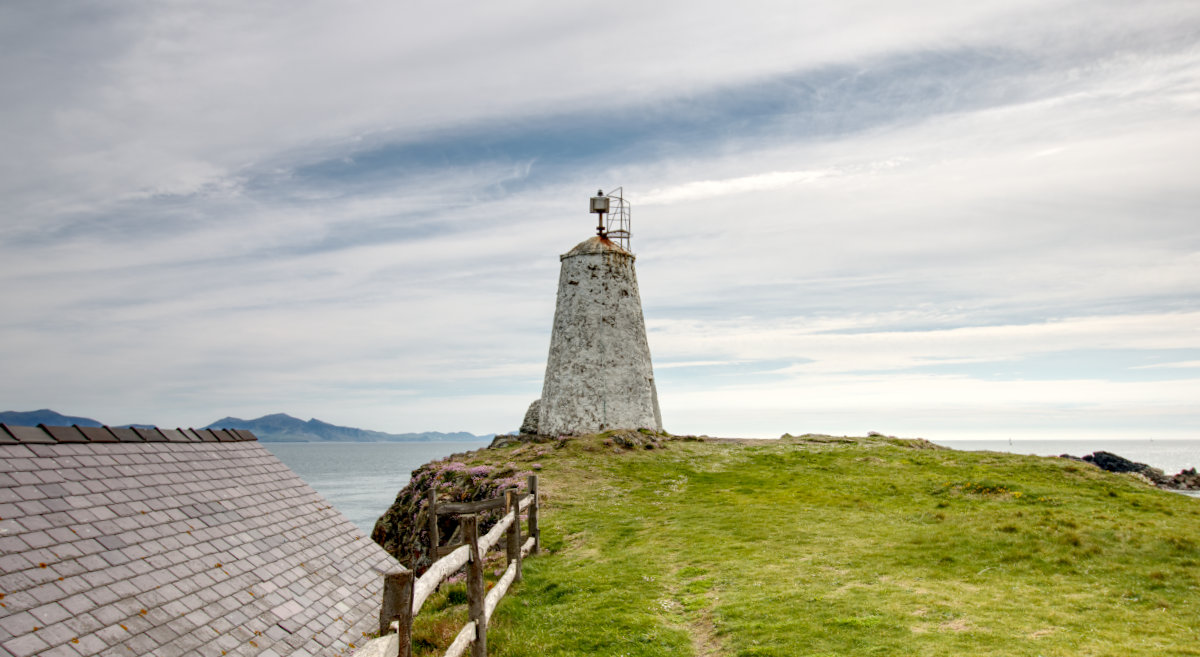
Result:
<point x="600" y="207"/>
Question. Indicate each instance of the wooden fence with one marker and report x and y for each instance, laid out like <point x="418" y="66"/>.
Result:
<point x="403" y="597"/>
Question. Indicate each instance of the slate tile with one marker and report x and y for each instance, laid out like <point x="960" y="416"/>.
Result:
<point x="209" y="595"/>
<point x="29" y="504"/>
<point x="96" y="486"/>
<point x="124" y="588"/>
<point x="162" y="634"/>
<point x="139" y="566"/>
<point x="191" y="602"/>
<point x="77" y="489"/>
<point x="135" y="624"/>
<point x="89" y="644"/>
<point x="112" y="635"/>
<point x="64" y="551"/>
<point x="171" y="591"/>
<point x="9" y="495"/>
<point x="101" y="596"/>
<point x="54" y="475"/>
<point x="39" y="558"/>
<point x="114" y="557"/>
<point x="51" y="489"/>
<point x="92" y="562"/>
<point x="191" y="641"/>
<point x="35" y="523"/>
<point x="11" y="544"/>
<point x="98" y="579"/>
<point x="121" y="572"/>
<point x="63" y="650"/>
<point x="46" y="593"/>
<point x="61" y="533"/>
<point x="37" y="539"/>
<point x="77" y="604"/>
<point x="49" y="614"/>
<point x="56" y="634"/>
<point x="82" y="516"/>
<point x="16" y="624"/>
<point x="26" y="478"/>
<point x="108" y="528"/>
<point x="83" y="623"/>
<point x="226" y="642"/>
<point x="25" y="646"/>
<point x="117" y="650"/>
<point x="108" y="614"/>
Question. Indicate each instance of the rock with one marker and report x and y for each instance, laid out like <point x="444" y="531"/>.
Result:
<point x="1186" y="480"/>
<point x="1114" y="463"/>
<point x="630" y="439"/>
<point x="530" y="424"/>
<point x="504" y="440"/>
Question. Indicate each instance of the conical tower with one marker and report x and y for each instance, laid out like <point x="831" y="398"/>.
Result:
<point x="599" y="375"/>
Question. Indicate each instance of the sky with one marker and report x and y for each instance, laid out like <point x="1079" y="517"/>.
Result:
<point x="948" y="220"/>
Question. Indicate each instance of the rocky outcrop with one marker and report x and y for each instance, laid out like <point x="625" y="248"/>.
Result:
<point x="403" y="530"/>
<point x="529" y="426"/>
<point x="1185" y="480"/>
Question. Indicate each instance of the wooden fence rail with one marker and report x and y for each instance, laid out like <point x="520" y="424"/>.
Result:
<point x="403" y="597"/>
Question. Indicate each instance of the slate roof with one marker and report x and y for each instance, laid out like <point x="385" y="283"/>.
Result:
<point x="131" y="542"/>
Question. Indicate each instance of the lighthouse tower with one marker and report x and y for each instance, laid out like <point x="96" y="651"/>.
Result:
<point x="598" y="374"/>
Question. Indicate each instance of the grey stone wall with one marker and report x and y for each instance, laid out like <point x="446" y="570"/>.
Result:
<point x="598" y="374"/>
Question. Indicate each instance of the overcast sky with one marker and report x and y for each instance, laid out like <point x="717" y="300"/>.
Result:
<point x="950" y="220"/>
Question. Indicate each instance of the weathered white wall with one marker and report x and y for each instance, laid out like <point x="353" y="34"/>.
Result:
<point x="598" y="374"/>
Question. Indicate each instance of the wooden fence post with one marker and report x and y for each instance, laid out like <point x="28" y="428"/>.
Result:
<point x="434" y="539"/>
<point x="476" y="593"/>
<point x="532" y="482"/>
<point x="512" y="504"/>
<point x="397" y="606"/>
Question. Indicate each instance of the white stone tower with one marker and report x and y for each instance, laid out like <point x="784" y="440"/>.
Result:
<point x="598" y="374"/>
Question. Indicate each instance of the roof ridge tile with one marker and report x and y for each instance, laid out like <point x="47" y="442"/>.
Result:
<point x="44" y="434"/>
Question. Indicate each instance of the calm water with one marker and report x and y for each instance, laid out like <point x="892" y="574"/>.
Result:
<point x="362" y="479"/>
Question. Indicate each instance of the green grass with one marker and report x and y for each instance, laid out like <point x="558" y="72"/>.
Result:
<point x="842" y="547"/>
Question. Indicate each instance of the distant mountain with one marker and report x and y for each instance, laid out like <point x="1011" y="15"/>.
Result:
<point x="280" y="427"/>
<point x="46" y="417"/>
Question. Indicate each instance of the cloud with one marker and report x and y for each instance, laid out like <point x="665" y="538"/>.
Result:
<point x="1184" y="364"/>
<point x="705" y="189"/>
<point x="213" y="209"/>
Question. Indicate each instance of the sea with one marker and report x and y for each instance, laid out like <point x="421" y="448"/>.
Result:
<point x="362" y="479"/>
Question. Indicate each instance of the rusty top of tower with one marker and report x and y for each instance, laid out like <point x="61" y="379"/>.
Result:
<point x="596" y="246"/>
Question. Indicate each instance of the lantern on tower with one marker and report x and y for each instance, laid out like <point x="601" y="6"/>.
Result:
<point x="599" y="207"/>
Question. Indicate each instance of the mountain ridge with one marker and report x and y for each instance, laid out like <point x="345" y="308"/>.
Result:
<point x="274" y="427"/>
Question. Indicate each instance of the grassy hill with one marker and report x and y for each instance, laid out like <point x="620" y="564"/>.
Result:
<point x="831" y="546"/>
